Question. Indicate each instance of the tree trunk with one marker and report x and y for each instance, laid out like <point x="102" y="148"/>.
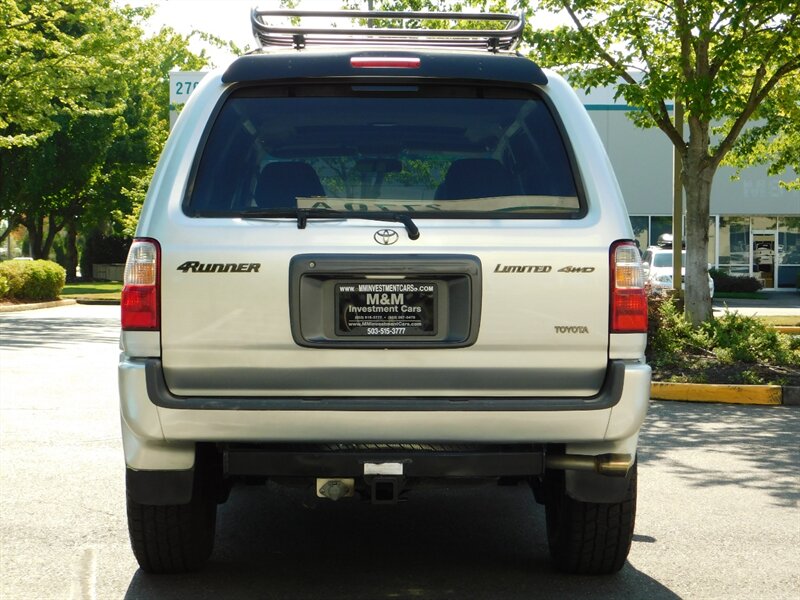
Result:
<point x="72" y="252"/>
<point x="13" y="223"/>
<point x="52" y="231"/>
<point x="35" y="225"/>
<point x="41" y="234"/>
<point x="698" y="175"/>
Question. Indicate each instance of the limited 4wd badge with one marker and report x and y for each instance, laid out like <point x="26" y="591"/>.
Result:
<point x="522" y="268"/>
<point x="540" y="269"/>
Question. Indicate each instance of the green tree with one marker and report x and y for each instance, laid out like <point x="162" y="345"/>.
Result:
<point x="729" y="62"/>
<point x="89" y="166"/>
<point x="58" y="61"/>
<point x="774" y="138"/>
<point x="53" y="56"/>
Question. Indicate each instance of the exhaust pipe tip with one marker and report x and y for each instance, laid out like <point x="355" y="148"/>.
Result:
<point x="611" y="465"/>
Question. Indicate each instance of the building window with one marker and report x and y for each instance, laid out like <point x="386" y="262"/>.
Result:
<point x="641" y="226"/>
<point x="788" y="254"/>
<point x="712" y="241"/>
<point x="763" y="223"/>
<point x="734" y="244"/>
<point x="658" y="227"/>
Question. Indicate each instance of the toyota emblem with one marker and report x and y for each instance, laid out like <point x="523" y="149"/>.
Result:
<point x="386" y="237"/>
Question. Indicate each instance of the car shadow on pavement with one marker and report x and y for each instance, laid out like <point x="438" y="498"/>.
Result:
<point x="57" y="333"/>
<point x="747" y="435"/>
<point x="276" y="542"/>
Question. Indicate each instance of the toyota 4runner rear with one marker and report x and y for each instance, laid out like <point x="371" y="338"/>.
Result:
<point x="376" y="257"/>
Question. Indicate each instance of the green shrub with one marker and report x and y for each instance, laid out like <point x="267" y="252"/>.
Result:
<point x="731" y="338"/>
<point x="4" y="287"/>
<point x="724" y="282"/>
<point x="667" y="331"/>
<point x="749" y="340"/>
<point x="33" y="280"/>
<point x="14" y="272"/>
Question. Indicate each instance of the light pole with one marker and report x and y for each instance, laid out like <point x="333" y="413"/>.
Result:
<point x="677" y="205"/>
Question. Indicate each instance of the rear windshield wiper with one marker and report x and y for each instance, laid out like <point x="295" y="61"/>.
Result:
<point x="304" y="214"/>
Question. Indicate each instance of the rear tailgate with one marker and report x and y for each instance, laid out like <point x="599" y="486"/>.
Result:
<point x="534" y="320"/>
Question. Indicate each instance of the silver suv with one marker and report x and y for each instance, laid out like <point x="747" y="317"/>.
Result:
<point x="372" y="258"/>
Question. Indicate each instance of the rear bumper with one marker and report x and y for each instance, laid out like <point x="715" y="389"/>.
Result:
<point x="160" y="430"/>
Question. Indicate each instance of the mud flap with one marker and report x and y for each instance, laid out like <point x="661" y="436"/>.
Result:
<point x="160" y="488"/>
<point x="588" y="486"/>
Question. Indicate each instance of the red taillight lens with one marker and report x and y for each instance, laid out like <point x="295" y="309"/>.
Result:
<point x="140" y="293"/>
<point x="384" y="62"/>
<point x="628" y="297"/>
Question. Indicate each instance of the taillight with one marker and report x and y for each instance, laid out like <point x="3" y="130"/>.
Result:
<point x="628" y="297"/>
<point x="140" y="293"/>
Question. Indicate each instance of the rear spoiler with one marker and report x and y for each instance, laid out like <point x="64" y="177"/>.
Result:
<point x="294" y="66"/>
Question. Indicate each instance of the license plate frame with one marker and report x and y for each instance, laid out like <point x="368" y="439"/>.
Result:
<point x="378" y="309"/>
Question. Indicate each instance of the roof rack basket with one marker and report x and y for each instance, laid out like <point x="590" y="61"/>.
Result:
<point x="505" y="37"/>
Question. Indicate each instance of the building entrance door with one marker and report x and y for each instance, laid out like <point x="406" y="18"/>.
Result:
<point x="764" y="259"/>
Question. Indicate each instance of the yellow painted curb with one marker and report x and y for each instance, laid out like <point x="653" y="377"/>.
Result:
<point x="703" y="392"/>
<point x="787" y="329"/>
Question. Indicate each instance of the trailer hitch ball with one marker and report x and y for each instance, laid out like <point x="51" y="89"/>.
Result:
<point x="334" y="489"/>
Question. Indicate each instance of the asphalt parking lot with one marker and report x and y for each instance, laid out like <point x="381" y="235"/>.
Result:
<point x="717" y="516"/>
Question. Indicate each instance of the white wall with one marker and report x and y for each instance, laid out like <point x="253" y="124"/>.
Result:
<point x="642" y="159"/>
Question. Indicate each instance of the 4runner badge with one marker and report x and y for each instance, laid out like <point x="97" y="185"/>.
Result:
<point x="197" y="267"/>
<point x="386" y="237"/>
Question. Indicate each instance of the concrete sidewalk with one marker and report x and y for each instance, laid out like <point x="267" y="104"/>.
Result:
<point x="773" y="304"/>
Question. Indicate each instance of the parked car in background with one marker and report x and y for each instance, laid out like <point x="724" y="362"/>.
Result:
<point x="657" y="264"/>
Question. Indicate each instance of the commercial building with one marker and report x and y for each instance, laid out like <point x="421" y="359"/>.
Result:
<point x="754" y="227"/>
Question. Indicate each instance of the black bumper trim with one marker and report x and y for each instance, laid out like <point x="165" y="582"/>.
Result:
<point x="351" y="464"/>
<point x="608" y="396"/>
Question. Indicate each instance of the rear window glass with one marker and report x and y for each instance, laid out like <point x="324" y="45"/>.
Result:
<point x="431" y="151"/>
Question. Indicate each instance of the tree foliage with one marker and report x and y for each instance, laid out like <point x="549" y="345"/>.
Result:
<point x="727" y="62"/>
<point x="54" y="57"/>
<point x="79" y="151"/>
<point x="774" y="138"/>
<point x="730" y="63"/>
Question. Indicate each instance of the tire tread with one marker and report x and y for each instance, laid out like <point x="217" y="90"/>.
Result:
<point x="173" y="538"/>
<point x="590" y="538"/>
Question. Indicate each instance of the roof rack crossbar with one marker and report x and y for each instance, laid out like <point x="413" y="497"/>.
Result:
<point x="507" y="38"/>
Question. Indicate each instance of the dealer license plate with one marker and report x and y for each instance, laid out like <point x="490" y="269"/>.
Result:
<point x="386" y="308"/>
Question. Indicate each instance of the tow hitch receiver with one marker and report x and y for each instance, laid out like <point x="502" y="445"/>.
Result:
<point x="385" y="480"/>
<point x="385" y="489"/>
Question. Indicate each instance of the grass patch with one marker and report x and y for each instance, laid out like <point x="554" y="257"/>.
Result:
<point x="93" y="290"/>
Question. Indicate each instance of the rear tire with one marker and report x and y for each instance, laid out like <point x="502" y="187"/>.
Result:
<point x="589" y="538"/>
<point x="175" y="538"/>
